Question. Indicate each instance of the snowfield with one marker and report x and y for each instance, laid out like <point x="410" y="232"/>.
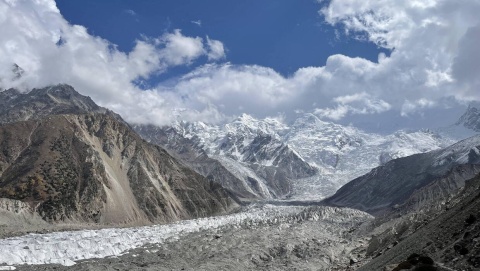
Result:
<point x="66" y="248"/>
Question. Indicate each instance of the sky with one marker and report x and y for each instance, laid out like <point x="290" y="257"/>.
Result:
<point x="377" y="64"/>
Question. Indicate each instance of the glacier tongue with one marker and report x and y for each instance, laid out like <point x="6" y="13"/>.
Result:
<point x="66" y="248"/>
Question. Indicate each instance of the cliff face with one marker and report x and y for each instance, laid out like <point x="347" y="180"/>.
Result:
<point x="75" y="161"/>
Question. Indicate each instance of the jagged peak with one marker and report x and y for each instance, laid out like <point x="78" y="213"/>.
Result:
<point x="309" y="119"/>
<point x="471" y="118"/>
<point x="50" y="100"/>
<point x="245" y="117"/>
<point x="246" y="123"/>
<point x="56" y="89"/>
<point x="10" y="92"/>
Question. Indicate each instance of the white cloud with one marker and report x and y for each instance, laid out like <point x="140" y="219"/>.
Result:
<point x="178" y="49"/>
<point x="216" y="49"/>
<point x="357" y="104"/>
<point x="198" y="22"/>
<point x="434" y="58"/>
<point x="31" y="31"/>
<point x="434" y="44"/>
<point x="409" y="107"/>
<point x="131" y="12"/>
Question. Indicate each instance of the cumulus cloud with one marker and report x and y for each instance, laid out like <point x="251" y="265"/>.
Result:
<point x="358" y="104"/>
<point x="433" y="59"/>
<point x="432" y="42"/>
<point x="50" y="50"/>
<point x="178" y="49"/>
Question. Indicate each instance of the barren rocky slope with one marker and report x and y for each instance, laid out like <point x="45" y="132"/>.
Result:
<point x="450" y="236"/>
<point x="392" y="184"/>
<point x="71" y="160"/>
<point x="245" y="155"/>
<point x="196" y="158"/>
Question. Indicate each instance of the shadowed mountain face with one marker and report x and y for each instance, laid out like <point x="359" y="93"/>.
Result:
<point x="471" y="119"/>
<point x="450" y="235"/>
<point x="393" y="184"/>
<point x="75" y="161"/>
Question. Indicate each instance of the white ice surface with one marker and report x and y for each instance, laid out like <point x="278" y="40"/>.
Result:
<point x="67" y="247"/>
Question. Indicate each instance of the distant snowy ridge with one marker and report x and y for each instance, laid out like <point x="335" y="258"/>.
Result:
<point x="471" y="118"/>
<point x="338" y="153"/>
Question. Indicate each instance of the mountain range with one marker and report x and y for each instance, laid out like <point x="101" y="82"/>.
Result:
<point x="64" y="159"/>
<point x="308" y="159"/>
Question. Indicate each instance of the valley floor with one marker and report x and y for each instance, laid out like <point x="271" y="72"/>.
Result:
<point x="260" y="237"/>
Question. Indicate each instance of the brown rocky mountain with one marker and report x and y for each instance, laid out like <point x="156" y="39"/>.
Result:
<point x="72" y="160"/>
<point x="38" y="103"/>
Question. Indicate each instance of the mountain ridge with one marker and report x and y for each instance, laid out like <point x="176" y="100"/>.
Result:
<point x="391" y="184"/>
<point x="76" y="161"/>
<point x="470" y="119"/>
<point x="336" y="154"/>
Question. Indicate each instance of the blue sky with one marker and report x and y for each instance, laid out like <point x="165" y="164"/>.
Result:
<point x="282" y="34"/>
<point x="381" y="65"/>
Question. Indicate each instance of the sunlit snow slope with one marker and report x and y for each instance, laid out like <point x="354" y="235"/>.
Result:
<point x="338" y="153"/>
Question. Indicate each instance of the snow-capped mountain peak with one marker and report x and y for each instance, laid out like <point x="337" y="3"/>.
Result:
<point x="315" y="156"/>
<point x="471" y="118"/>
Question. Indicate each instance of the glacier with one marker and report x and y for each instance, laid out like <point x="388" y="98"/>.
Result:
<point x="66" y="248"/>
